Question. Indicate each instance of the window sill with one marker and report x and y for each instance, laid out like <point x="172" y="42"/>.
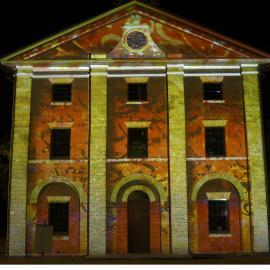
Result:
<point x="52" y="161"/>
<point x="60" y="237"/>
<point x="215" y="158"/>
<point x="216" y="235"/>
<point x="61" y="103"/>
<point x="136" y="159"/>
<point x="136" y="102"/>
<point x="213" y="101"/>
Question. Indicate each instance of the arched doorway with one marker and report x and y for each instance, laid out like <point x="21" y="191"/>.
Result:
<point x="138" y="223"/>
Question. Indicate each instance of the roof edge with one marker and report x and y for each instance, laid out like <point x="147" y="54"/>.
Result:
<point x="184" y="61"/>
<point x="209" y="31"/>
<point x="70" y="29"/>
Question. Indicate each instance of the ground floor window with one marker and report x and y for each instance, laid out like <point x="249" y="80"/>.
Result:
<point x="218" y="218"/>
<point x="59" y="218"/>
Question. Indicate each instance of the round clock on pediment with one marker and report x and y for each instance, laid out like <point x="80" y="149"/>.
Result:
<point x="136" y="40"/>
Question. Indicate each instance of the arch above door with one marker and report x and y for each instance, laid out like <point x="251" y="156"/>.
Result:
<point x="144" y="178"/>
<point x="142" y="188"/>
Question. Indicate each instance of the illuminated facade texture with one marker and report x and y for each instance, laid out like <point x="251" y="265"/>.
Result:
<point x="137" y="132"/>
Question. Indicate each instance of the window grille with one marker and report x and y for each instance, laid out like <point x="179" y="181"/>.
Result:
<point x="137" y="92"/>
<point x="60" y="144"/>
<point x="215" y="141"/>
<point x="59" y="218"/>
<point x="137" y="142"/>
<point x="218" y="216"/>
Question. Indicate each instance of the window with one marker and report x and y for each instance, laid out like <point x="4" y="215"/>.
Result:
<point x="61" y="92"/>
<point x="218" y="217"/>
<point x="214" y="141"/>
<point x="212" y="91"/>
<point x="60" y="143"/>
<point x="59" y="218"/>
<point x="137" y="142"/>
<point x="137" y="92"/>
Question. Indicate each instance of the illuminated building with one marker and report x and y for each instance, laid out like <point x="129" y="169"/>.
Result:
<point x="137" y="132"/>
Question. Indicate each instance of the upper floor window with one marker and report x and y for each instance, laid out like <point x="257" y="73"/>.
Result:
<point x="61" y="92"/>
<point x="212" y="91"/>
<point x="137" y="143"/>
<point x="60" y="143"/>
<point x="215" y="141"/>
<point x="59" y="218"/>
<point x="137" y="92"/>
<point x="218" y="216"/>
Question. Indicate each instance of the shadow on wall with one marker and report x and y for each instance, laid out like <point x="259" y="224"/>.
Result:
<point x="6" y="100"/>
<point x="265" y="86"/>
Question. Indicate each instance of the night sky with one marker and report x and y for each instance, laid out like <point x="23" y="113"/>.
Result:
<point x="27" y="22"/>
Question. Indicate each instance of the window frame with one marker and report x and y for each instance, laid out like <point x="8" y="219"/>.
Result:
<point x="131" y="148"/>
<point x="209" y="144"/>
<point x="141" y="97"/>
<point x="54" y="94"/>
<point x="209" y="93"/>
<point x="53" y="146"/>
<point x="225" y="231"/>
<point x="51" y="218"/>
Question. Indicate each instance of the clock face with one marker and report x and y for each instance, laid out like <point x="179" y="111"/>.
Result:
<point x="136" y="40"/>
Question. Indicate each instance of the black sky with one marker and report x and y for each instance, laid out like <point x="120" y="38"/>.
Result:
<point x="247" y="21"/>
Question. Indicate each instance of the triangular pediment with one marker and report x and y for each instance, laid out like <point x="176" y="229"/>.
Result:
<point x="110" y="34"/>
<point x="136" y="41"/>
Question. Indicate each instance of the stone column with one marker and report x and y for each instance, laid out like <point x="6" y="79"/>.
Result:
<point x="257" y="175"/>
<point x="97" y="166"/>
<point x="177" y="153"/>
<point x="19" y="161"/>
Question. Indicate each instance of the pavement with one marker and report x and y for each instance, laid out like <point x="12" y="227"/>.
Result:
<point x="258" y="258"/>
<point x="139" y="259"/>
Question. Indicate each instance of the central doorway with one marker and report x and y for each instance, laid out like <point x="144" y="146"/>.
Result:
<point x="138" y="223"/>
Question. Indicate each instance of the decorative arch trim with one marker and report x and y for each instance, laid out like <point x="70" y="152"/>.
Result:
<point x="214" y="176"/>
<point x="145" y="189"/>
<point x="142" y="177"/>
<point x="42" y="184"/>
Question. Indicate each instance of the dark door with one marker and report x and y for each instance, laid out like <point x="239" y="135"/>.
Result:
<point x="138" y="223"/>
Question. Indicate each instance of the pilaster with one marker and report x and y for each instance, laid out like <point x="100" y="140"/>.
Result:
<point x="97" y="166"/>
<point x="177" y="152"/>
<point x="18" y="175"/>
<point x="257" y="176"/>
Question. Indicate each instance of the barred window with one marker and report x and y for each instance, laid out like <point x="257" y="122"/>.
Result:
<point x="60" y="143"/>
<point x="61" y="92"/>
<point x="215" y="141"/>
<point x="212" y="91"/>
<point x="137" y="142"/>
<point x="59" y="218"/>
<point x="218" y="216"/>
<point x="137" y="91"/>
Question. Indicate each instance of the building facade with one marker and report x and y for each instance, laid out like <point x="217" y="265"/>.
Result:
<point x="137" y="132"/>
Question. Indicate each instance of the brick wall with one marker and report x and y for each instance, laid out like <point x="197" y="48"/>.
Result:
<point x="120" y="112"/>
<point x="41" y="169"/>
<point x="231" y="110"/>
